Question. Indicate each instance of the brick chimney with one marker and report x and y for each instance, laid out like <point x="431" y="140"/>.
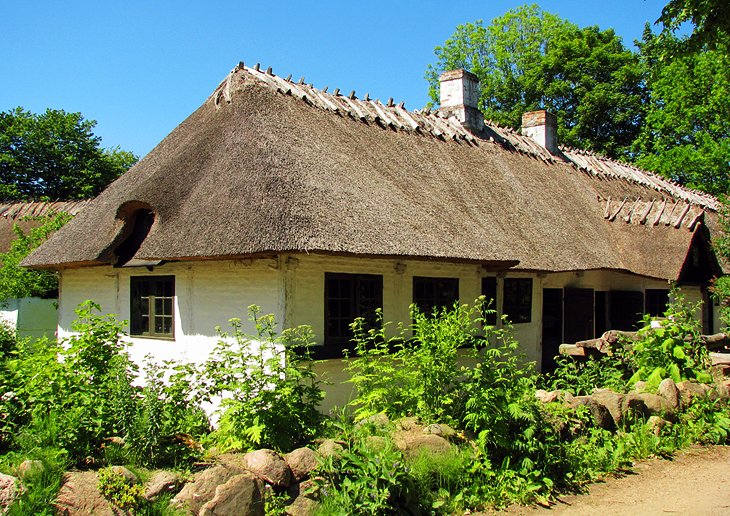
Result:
<point x="542" y="127"/>
<point x="459" y="98"/>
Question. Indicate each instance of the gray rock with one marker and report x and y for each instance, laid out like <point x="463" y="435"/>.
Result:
<point x="669" y="391"/>
<point x="202" y="489"/>
<point x="441" y="429"/>
<point x="690" y="390"/>
<point x="163" y="482"/>
<point x="330" y="448"/>
<point x="10" y="489"/>
<point x="413" y="443"/>
<point x="269" y="466"/>
<point x="640" y="386"/>
<point x="613" y="402"/>
<point x="301" y="462"/>
<point x="645" y="405"/>
<point x="241" y="495"/>
<point x="379" y="420"/>
<point x="656" y="424"/>
<point x="407" y="423"/>
<point x="302" y="506"/>
<point x="28" y="467"/>
<point x="601" y="415"/>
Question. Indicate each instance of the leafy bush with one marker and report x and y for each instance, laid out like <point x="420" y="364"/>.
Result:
<point x="580" y="377"/>
<point x="416" y="375"/>
<point x="270" y="391"/>
<point x="77" y="394"/>
<point x="366" y="480"/>
<point x="673" y="350"/>
<point x="118" y="490"/>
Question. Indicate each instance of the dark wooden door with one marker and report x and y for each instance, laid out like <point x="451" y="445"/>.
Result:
<point x="579" y="310"/>
<point x="552" y="326"/>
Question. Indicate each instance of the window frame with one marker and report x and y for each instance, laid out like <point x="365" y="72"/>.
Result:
<point x="514" y="308"/>
<point x="137" y="315"/>
<point x="335" y="345"/>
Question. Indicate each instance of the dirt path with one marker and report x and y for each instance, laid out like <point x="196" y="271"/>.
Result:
<point x="695" y="482"/>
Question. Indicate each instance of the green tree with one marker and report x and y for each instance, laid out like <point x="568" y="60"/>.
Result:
<point x="686" y="135"/>
<point x="19" y="282"/>
<point x="54" y="155"/>
<point x="710" y="20"/>
<point x="530" y="59"/>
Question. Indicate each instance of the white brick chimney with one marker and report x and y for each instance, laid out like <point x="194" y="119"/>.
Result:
<point x="459" y="97"/>
<point x="542" y="127"/>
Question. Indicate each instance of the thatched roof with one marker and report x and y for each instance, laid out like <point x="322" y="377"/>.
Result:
<point x="26" y="216"/>
<point x="266" y="166"/>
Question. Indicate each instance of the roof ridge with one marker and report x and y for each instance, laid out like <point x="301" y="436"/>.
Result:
<point x="440" y="126"/>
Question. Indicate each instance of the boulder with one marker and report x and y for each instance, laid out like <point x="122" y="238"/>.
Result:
<point x="413" y="443"/>
<point x="645" y="405"/>
<point x="441" y="429"/>
<point x="79" y="495"/>
<point x="640" y="386"/>
<point x="163" y="482"/>
<point x="28" y="467"/>
<point x="379" y="420"/>
<point x="301" y="462"/>
<point x="669" y="391"/>
<point x="269" y="466"/>
<point x="10" y="489"/>
<point x="407" y="423"/>
<point x="613" y="402"/>
<point x="241" y="495"/>
<point x="130" y="477"/>
<point x="302" y="506"/>
<point x="330" y="448"/>
<point x="601" y="415"/>
<point x="202" y="489"/>
<point x="547" y="397"/>
<point x="689" y="390"/>
<point x="656" y="424"/>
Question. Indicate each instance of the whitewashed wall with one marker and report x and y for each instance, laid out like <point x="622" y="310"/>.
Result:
<point x="207" y="294"/>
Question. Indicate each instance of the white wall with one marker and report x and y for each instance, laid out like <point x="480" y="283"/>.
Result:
<point x="207" y="294"/>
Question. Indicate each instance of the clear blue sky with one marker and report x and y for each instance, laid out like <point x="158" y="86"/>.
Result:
<point x="139" y="67"/>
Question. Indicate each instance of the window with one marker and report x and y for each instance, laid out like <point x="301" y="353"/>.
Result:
<point x="656" y="302"/>
<point x="434" y="293"/>
<point x="489" y="291"/>
<point x="626" y="309"/>
<point x="346" y="297"/>
<point x="151" y="310"/>
<point x="517" y="303"/>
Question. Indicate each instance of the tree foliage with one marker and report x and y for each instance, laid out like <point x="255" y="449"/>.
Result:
<point x="686" y="135"/>
<point x="19" y="282"/>
<point x="710" y="20"/>
<point x="54" y="155"/>
<point x="529" y="59"/>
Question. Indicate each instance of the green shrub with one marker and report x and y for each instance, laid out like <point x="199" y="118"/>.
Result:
<point x="414" y="372"/>
<point x="269" y="389"/>
<point x="673" y="350"/>
<point x="119" y="491"/>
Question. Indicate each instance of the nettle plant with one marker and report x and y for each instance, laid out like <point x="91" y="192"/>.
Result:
<point x="268" y="387"/>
